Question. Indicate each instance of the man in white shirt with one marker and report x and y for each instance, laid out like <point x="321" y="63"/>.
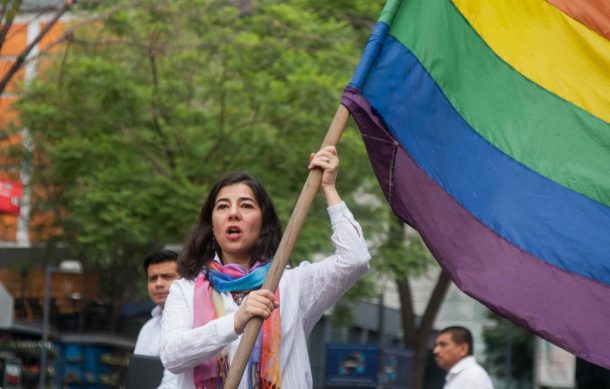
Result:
<point x="453" y="352"/>
<point x="161" y="271"/>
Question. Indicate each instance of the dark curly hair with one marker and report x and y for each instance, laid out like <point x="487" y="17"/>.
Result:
<point x="200" y="246"/>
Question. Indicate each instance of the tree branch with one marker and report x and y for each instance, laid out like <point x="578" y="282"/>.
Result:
<point x="10" y="17"/>
<point x="434" y="305"/>
<point x="23" y="55"/>
<point x="156" y="106"/>
<point x="425" y="329"/>
<point x="407" y="312"/>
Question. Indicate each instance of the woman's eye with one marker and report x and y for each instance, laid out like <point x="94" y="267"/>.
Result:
<point x="248" y="205"/>
<point x="221" y="206"/>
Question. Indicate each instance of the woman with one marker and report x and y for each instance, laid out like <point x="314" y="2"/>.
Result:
<point x="224" y="262"/>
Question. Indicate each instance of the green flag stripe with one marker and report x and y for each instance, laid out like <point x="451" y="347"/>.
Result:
<point x="389" y="10"/>
<point x="535" y="127"/>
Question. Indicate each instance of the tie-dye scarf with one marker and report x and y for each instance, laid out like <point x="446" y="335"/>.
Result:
<point x="263" y="370"/>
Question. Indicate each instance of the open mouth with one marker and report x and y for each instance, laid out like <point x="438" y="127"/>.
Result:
<point x="233" y="230"/>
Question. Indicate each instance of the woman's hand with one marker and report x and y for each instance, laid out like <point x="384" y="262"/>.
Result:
<point x="257" y="303"/>
<point x="328" y="160"/>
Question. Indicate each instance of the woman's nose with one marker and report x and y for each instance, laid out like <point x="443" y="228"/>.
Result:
<point x="234" y="212"/>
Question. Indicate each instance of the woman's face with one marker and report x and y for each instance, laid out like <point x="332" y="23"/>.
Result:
<point x="236" y="222"/>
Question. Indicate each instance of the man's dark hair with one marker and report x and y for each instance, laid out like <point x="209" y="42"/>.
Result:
<point x="460" y="335"/>
<point x="159" y="257"/>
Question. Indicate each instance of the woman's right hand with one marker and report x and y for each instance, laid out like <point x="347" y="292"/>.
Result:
<point x="327" y="159"/>
<point x="257" y="303"/>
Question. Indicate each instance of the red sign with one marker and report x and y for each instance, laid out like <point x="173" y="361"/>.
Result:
<point x="10" y="196"/>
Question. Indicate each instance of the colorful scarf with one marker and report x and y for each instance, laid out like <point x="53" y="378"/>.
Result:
<point x="263" y="368"/>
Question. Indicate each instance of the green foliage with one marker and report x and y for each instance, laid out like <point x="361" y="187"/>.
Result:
<point x="501" y="336"/>
<point x="342" y="311"/>
<point x="144" y="110"/>
<point x="8" y="10"/>
<point x="403" y="251"/>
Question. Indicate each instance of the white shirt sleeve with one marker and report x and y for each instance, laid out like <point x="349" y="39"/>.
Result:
<point x="140" y="348"/>
<point x="148" y="342"/>
<point x="323" y="283"/>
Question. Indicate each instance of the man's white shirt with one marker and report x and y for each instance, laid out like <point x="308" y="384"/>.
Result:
<point x="467" y="374"/>
<point x="149" y="343"/>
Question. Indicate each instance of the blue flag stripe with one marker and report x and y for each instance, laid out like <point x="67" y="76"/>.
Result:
<point x="558" y="225"/>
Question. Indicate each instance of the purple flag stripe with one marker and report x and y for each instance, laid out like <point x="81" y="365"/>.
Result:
<point x="553" y="303"/>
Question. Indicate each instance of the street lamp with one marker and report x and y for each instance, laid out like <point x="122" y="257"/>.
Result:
<point x="65" y="266"/>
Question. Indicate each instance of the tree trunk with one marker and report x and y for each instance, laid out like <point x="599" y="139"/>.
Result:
<point x="417" y="338"/>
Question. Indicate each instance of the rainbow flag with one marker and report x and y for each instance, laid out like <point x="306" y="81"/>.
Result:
<point x="487" y="123"/>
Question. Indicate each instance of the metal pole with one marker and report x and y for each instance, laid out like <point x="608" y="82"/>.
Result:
<point x="381" y="329"/>
<point x="509" y="355"/>
<point x="45" y="327"/>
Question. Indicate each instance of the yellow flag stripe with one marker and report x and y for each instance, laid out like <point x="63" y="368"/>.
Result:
<point x="547" y="47"/>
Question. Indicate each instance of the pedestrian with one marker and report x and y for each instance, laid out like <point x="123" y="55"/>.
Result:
<point x="224" y="263"/>
<point x="453" y="352"/>
<point x="161" y="271"/>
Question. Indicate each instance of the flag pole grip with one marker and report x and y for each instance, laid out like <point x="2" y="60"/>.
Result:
<point x="284" y="250"/>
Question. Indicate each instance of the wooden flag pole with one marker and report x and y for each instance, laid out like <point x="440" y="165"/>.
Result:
<point x="284" y="250"/>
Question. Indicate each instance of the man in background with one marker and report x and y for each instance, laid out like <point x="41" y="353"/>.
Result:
<point x="453" y="352"/>
<point x="161" y="271"/>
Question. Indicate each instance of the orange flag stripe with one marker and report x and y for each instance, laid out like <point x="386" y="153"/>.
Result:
<point x="594" y="14"/>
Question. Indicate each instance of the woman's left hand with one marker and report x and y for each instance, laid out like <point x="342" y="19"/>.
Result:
<point x="328" y="160"/>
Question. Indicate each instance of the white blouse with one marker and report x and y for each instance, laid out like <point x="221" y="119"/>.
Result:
<point x="305" y="293"/>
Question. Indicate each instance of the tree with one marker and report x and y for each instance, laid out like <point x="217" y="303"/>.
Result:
<point x="405" y="255"/>
<point x="9" y="9"/>
<point x="145" y="109"/>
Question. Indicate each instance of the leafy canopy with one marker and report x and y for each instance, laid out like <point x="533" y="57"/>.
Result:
<point x="146" y="107"/>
